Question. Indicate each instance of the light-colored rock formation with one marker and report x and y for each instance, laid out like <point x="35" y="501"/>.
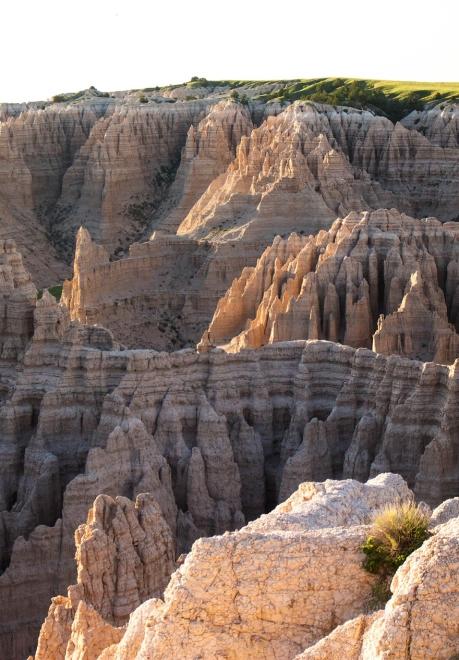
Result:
<point x="310" y="163"/>
<point x="216" y="438"/>
<point x="161" y="295"/>
<point x="103" y="164"/>
<point x="445" y="511"/>
<point x="210" y="147"/>
<point x="265" y="589"/>
<point x="421" y="618"/>
<point x="108" y="162"/>
<point x="125" y="554"/>
<point x="298" y="171"/>
<point x="336" y="284"/>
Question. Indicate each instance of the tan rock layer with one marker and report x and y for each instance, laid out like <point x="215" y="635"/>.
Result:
<point x="271" y="588"/>
<point x="378" y="278"/>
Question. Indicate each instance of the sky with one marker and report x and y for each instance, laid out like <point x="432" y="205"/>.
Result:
<point x="54" y="46"/>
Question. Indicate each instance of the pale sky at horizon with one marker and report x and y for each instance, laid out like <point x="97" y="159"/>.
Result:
<point x="53" y="46"/>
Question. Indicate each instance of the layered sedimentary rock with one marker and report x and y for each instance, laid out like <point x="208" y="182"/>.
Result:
<point x="100" y="163"/>
<point x="161" y="295"/>
<point x="210" y="147"/>
<point x="36" y="147"/>
<point x="108" y="162"/>
<point x="379" y="278"/>
<point x="215" y="437"/>
<point x="307" y="165"/>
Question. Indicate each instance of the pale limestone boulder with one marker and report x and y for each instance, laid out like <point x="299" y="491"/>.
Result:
<point x="445" y="511"/>
<point x="260" y="591"/>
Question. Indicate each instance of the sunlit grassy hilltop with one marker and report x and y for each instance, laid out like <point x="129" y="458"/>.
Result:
<point x="392" y="98"/>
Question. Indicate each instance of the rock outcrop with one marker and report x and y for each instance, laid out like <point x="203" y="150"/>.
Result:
<point x="424" y="589"/>
<point x="123" y="168"/>
<point x="379" y="278"/>
<point x="100" y="163"/>
<point x="219" y="437"/>
<point x="292" y="580"/>
<point x="161" y="295"/>
<point x="210" y="148"/>
<point x="311" y="163"/>
<point x="125" y="554"/>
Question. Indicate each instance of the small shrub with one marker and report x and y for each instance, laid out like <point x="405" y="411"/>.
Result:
<point x="143" y="99"/>
<point x="397" y="531"/>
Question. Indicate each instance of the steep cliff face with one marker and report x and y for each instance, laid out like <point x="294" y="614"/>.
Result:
<point x="297" y="172"/>
<point x="123" y="171"/>
<point x="109" y="164"/>
<point x="104" y="164"/>
<point x="379" y="278"/>
<point x="291" y="580"/>
<point x="210" y="147"/>
<point x="311" y="163"/>
<point x="216" y="436"/>
<point x="161" y="295"/>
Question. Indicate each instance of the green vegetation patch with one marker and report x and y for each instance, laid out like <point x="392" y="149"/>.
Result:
<point x="71" y="97"/>
<point x="55" y="291"/>
<point x="397" y="531"/>
<point x="392" y="99"/>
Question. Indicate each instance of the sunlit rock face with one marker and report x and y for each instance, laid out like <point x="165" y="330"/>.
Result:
<point x="302" y="562"/>
<point x="212" y="168"/>
<point x="378" y="279"/>
<point x="217" y="438"/>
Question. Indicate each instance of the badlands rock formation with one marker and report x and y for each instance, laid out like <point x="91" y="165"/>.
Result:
<point x="309" y="164"/>
<point x="215" y="437"/>
<point x="99" y="163"/>
<point x="424" y="589"/>
<point x="296" y="172"/>
<point x="108" y="162"/>
<point x="125" y="554"/>
<point x="281" y="584"/>
<point x="161" y="295"/>
<point x="378" y="279"/>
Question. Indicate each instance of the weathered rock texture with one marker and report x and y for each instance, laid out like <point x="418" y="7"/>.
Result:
<point x="215" y="437"/>
<point x="210" y="148"/>
<point x="379" y="278"/>
<point x="229" y="430"/>
<point x="161" y="295"/>
<point x="122" y="168"/>
<point x="100" y="163"/>
<point x="125" y="554"/>
<point x="289" y="579"/>
<point x="311" y="163"/>
<point x="421" y="618"/>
